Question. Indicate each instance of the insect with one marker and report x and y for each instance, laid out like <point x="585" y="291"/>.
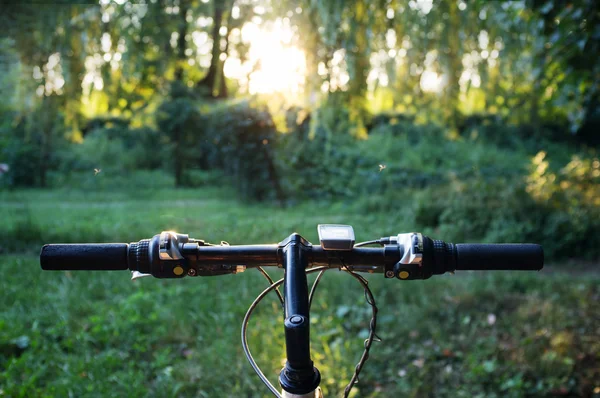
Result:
<point x="96" y="171"/>
<point x="382" y="167"/>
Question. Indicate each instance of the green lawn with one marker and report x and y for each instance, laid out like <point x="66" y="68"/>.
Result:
<point x="99" y="334"/>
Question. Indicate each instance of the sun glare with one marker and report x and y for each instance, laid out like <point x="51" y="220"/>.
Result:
<point x="431" y="82"/>
<point x="273" y="64"/>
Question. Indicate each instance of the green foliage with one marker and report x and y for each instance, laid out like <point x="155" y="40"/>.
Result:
<point x="317" y="167"/>
<point x="21" y="158"/>
<point x="27" y="143"/>
<point x="110" y="156"/>
<point x="482" y="187"/>
<point x="473" y="191"/>
<point x="179" y="119"/>
<point x="240" y="141"/>
<point x="123" y="150"/>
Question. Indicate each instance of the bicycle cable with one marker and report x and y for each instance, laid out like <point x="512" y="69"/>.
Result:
<point x="372" y="324"/>
<point x="251" y="309"/>
<point x="367" y="344"/>
<point x="266" y="275"/>
<point x="369" y="242"/>
<point x="314" y="288"/>
<point x="372" y="335"/>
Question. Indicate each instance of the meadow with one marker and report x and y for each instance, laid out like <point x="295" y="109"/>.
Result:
<point x="471" y="334"/>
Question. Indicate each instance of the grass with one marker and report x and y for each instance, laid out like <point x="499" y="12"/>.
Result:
<point x="99" y="334"/>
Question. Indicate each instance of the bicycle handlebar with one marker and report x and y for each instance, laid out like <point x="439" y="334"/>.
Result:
<point x="85" y="257"/>
<point x="407" y="256"/>
<point x="526" y="256"/>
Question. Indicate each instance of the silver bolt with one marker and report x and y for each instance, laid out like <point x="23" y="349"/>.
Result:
<point x="389" y="274"/>
<point x="191" y="272"/>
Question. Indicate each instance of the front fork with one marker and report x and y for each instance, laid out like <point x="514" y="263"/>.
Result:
<point x="298" y="378"/>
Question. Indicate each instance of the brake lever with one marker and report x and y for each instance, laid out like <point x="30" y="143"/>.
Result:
<point x="137" y="275"/>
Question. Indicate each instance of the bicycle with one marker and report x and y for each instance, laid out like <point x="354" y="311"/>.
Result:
<point x="408" y="256"/>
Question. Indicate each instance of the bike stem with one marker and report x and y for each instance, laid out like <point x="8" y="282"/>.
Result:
<point x="298" y="376"/>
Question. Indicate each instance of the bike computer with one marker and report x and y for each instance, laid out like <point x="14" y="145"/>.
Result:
<point x="336" y="237"/>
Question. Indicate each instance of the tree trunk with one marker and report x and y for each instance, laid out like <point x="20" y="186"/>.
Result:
<point x="274" y="176"/>
<point x="222" y="81"/>
<point x="178" y="152"/>
<point x="45" y="122"/>
<point x="208" y="82"/>
<point x="312" y="80"/>
<point x="76" y="71"/>
<point x="182" y="31"/>
<point x="454" y="67"/>
<point x="178" y="158"/>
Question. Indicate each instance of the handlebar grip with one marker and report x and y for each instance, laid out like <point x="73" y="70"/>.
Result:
<point x="511" y="256"/>
<point x="85" y="257"/>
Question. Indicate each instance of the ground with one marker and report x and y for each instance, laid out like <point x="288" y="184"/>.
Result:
<point x="93" y="333"/>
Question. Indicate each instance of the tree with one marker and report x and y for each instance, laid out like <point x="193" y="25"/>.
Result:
<point x="214" y="83"/>
<point x="48" y="42"/>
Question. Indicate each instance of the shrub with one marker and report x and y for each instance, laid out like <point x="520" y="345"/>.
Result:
<point x="315" y="168"/>
<point x="180" y="120"/>
<point x="558" y="210"/>
<point x="28" y="145"/>
<point x="116" y="149"/>
<point x="242" y="144"/>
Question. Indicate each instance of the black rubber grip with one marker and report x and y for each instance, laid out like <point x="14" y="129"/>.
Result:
<point x="526" y="256"/>
<point x="85" y="257"/>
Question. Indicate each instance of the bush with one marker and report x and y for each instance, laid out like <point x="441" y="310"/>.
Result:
<point x="318" y="167"/>
<point x="23" y="163"/>
<point x="116" y="150"/>
<point x="242" y="144"/>
<point x="470" y="190"/>
<point x="560" y="211"/>
<point x="179" y="119"/>
<point x="572" y="196"/>
<point x="134" y="182"/>
<point x="203" y="178"/>
<point x="28" y="144"/>
<point x="394" y="160"/>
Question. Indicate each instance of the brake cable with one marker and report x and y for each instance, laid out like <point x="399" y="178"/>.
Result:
<point x="251" y="309"/>
<point x="266" y="275"/>
<point x="314" y="288"/>
<point x="372" y="324"/>
<point x="367" y="343"/>
<point x="372" y="335"/>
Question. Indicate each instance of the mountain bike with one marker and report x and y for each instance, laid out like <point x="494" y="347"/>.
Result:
<point x="406" y="256"/>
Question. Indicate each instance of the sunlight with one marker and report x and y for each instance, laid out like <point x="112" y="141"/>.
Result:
<point x="431" y="82"/>
<point x="273" y="64"/>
